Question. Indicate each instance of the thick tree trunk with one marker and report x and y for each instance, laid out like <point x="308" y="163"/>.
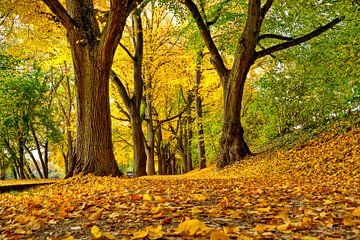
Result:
<point x="93" y="151"/>
<point x="92" y="53"/>
<point x="233" y="146"/>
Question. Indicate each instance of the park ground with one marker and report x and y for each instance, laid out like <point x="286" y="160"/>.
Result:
<point x="309" y="192"/>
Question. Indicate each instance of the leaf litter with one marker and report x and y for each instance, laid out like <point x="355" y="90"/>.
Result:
<point x="311" y="192"/>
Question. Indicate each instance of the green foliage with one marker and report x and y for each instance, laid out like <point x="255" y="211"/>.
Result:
<point x="24" y="108"/>
<point x="309" y="86"/>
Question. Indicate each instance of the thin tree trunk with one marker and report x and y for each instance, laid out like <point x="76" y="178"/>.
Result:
<point x="199" y="112"/>
<point x="150" y="130"/>
<point x="159" y="148"/>
<point x="34" y="161"/>
<point x="189" y="166"/>
<point x="21" y="159"/>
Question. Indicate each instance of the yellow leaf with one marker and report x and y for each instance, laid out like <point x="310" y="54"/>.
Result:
<point x="348" y="222"/>
<point x="218" y="235"/>
<point x="96" y="215"/>
<point x="155" y="232"/>
<point x="140" y="234"/>
<point x="309" y="238"/>
<point x="96" y="232"/>
<point x="327" y="202"/>
<point x="147" y="197"/>
<point x="231" y="230"/>
<point x="114" y="215"/>
<point x="267" y="209"/>
<point x="244" y="237"/>
<point x="155" y="210"/>
<point x="196" y="210"/>
<point x="283" y="227"/>
<point x="263" y="227"/>
<point x="69" y="238"/>
<point x="199" y="197"/>
<point x="356" y="212"/>
<point x="193" y="227"/>
<point x="306" y="220"/>
<point x="109" y="236"/>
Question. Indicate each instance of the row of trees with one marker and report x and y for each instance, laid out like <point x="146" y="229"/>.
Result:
<point x="163" y="59"/>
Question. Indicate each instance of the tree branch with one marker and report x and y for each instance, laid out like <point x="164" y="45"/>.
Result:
<point x="111" y="35"/>
<point x="61" y="13"/>
<point x="218" y="13"/>
<point x="205" y="33"/>
<point x="274" y="36"/>
<point x="127" y="51"/>
<point x="266" y="8"/>
<point x="299" y="40"/>
<point x="177" y="115"/>
<point x="121" y="88"/>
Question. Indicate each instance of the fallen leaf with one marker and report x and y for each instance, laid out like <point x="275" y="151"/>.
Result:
<point x="96" y="232"/>
<point x="155" y="232"/>
<point x="193" y="227"/>
<point x="356" y="212"/>
<point x="218" y="235"/>
<point x="147" y="197"/>
<point x="266" y="209"/>
<point x="96" y="215"/>
<point x="140" y="234"/>
<point x="348" y="222"/>
<point x="199" y="197"/>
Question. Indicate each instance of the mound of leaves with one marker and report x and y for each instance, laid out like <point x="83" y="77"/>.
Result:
<point x="311" y="192"/>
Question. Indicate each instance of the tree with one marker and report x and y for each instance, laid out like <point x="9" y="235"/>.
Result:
<point x="133" y="104"/>
<point x="27" y="122"/>
<point x="93" y="53"/>
<point x="233" y="146"/>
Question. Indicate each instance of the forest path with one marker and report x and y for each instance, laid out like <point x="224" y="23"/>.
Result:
<point x="311" y="192"/>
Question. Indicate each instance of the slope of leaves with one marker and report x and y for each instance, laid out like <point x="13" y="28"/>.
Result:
<point x="311" y="192"/>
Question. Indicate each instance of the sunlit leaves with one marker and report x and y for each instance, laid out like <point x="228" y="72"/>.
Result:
<point x="243" y="201"/>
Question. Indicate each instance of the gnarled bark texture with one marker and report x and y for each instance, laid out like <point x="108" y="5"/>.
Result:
<point x="92" y="53"/>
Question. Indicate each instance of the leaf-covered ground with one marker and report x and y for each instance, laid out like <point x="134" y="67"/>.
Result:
<point x="311" y="192"/>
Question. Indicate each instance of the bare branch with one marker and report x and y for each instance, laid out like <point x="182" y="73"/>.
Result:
<point x="205" y="33"/>
<point x="58" y="9"/>
<point x="121" y="88"/>
<point x="266" y="8"/>
<point x="177" y="115"/>
<point x="299" y="40"/>
<point x="127" y="51"/>
<point x="274" y="36"/>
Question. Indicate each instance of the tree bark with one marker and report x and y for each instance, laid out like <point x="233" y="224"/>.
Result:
<point x="150" y="134"/>
<point x="92" y="53"/>
<point x="189" y="165"/>
<point x="199" y="112"/>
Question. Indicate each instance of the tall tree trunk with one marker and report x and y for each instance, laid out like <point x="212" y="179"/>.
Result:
<point x="160" y="154"/>
<point x="21" y="159"/>
<point x="189" y="166"/>
<point x="138" y="143"/>
<point x="150" y="130"/>
<point x="92" y="53"/>
<point x="93" y="151"/>
<point x="34" y="161"/>
<point x="199" y="112"/>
